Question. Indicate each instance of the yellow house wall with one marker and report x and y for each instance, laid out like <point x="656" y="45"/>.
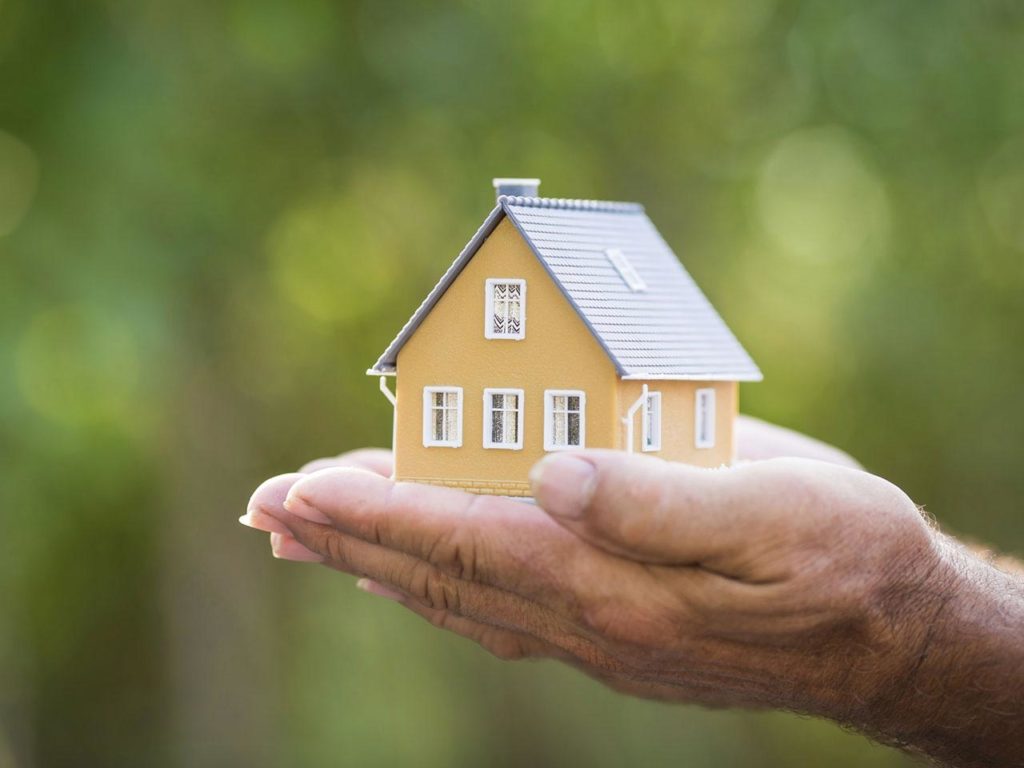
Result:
<point x="449" y="349"/>
<point x="678" y="414"/>
<point x="558" y="352"/>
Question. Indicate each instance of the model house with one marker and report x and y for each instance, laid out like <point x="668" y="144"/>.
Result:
<point x="563" y="324"/>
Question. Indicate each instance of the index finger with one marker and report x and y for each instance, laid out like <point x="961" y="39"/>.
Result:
<point x="274" y="490"/>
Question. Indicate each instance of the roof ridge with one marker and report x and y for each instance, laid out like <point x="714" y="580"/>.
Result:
<point x="604" y="206"/>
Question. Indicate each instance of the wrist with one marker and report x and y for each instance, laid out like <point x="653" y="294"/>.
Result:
<point x="953" y="660"/>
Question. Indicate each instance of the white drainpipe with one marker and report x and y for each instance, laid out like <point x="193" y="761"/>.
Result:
<point x="386" y="391"/>
<point x="394" y="413"/>
<point x="628" y="418"/>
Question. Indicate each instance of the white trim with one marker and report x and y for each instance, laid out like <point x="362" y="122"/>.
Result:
<point x="387" y="392"/>
<point x="502" y="181"/>
<point x="489" y="410"/>
<point x="428" y="432"/>
<point x="692" y="377"/>
<point x="393" y="399"/>
<point x="704" y="418"/>
<point x="654" y="440"/>
<point x="627" y="420"/>
<point x="549" y="395"/>
<point x="489" y="284"/>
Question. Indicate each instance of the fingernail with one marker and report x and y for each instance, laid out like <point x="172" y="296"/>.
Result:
<point x="262" y="522"/>
<point x="563" y="484"/>
<point x="299" y="507"/>
<point x="285" y="547"/>
<point x="372" y="587"/>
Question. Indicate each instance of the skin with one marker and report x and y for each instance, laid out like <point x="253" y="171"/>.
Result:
<point x="794" y="580"/>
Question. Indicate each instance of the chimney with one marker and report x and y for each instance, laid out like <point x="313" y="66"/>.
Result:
<point x="516" y="187"/>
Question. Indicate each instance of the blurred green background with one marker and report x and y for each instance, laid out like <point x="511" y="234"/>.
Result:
<point x="214" y="216"/>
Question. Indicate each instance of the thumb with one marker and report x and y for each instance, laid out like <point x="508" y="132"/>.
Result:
<point x="642" y="507"/>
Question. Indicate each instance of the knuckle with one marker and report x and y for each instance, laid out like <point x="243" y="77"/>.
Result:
<point x="434" y="589"/>
<point x="815" y="506"/>
<point x="806" y="491"/>
<point x="883" y="525"/>
<point x="457" y="553"/>
<point x="332" y="545"/>
<point x="454" y="554"/>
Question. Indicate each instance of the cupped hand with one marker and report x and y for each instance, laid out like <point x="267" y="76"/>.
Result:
<point x="797" y="583"/>
<point x="718" y="586"/>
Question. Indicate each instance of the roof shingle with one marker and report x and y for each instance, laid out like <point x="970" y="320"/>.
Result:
<point x="669" y="330"/>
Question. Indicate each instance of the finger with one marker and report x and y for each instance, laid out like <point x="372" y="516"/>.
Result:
<point x="285" y="547"/>
<point x="757" y="440"/>
<point x="661" y="512"/>
<point x="494" y="541"/>
<point x="506" y="644"/>
<point x="435" y="589"/>
<point x="375" y="460"/>
<point x="272" y="493"/>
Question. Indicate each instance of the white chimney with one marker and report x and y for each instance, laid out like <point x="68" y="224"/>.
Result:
<point x="516" y="187"/>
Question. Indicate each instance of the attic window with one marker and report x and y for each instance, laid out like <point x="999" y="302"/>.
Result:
<point x="626" y="270"/>
<point x="505" y="313"/>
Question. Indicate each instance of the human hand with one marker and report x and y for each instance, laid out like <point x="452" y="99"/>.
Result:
<point x="789" y="583"/>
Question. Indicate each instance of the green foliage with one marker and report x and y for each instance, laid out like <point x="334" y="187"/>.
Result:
<point x="213" y="217"/>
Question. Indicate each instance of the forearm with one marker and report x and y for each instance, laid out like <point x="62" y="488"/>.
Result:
<point x="960" y="698"/>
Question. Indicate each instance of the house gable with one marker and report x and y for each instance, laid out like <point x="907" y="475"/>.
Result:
<point x="448" y="348"/>
<point x="623" y="281"/>
<point x="454" y="328"/>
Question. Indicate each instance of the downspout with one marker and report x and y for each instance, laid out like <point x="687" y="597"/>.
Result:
<point x="628" y="418"/>
<point x="394" y="413"/>
<point x="387" y="392"/>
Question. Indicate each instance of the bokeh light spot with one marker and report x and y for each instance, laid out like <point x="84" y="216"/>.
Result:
<point x="77" y="367"/>
<point x="19" y="174"/>
<point x="283" y="38"/>
<point x="330" y="257"/>
<point x="1001" y="191"/>
<point x="819" y="200"/>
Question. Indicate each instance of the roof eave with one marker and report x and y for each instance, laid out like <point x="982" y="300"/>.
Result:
<point x="750" y="377"/>
<point x="386" y="364"/>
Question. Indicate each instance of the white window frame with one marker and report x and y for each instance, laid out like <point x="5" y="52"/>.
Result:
<point x="488" y="416"/>
<point x="649" y="442"/>
<point x="704" y="418"/>
<point x="428" y="421"/>
<point x="549" y="410"/>
<point x="626" y="270"/>
<point x="489" y="308"/>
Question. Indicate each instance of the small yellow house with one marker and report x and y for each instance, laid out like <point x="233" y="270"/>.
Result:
<point x="563" y="324"/>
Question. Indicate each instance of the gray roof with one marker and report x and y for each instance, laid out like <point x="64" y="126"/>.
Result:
<point x="669" y="331"/>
